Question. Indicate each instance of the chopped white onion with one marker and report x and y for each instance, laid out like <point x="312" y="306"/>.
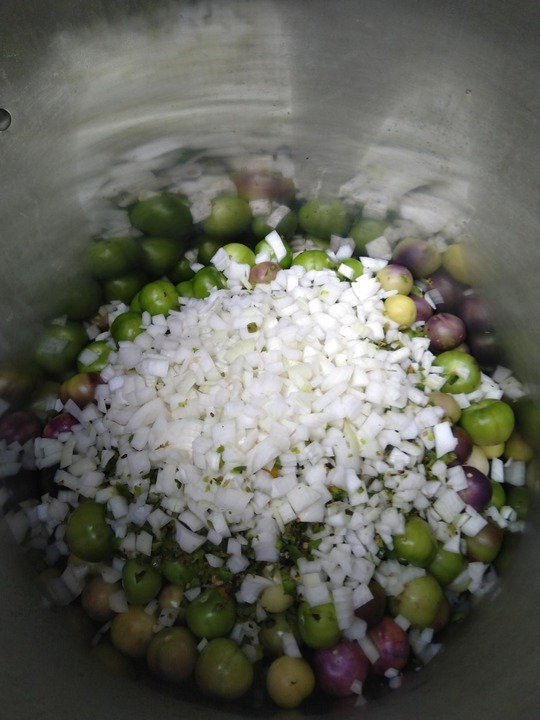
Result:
<point x="118" y="602"/>
<point x="369" y="649"/>
<point x="515" y="472"/>
<point x="290" y="645"/>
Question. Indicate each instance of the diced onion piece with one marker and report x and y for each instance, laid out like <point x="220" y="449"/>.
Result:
<point x="515" y="472"/>
<point x="445" y="440"/>
<point x="251" y="588"/>
<point x="473" y="523"/>
<point x="316" y="591"/>
<point x="276" y="243"/>
<point x="448" y="504"/>
<point x="369" y="649"/>
<point x="402" y="621"/>
<point x="118" y="602"/>
<point x="290" y="645"/>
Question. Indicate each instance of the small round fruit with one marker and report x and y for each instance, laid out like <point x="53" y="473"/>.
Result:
<point x="141" y="582"/>
<point x="324" y="218"/>
<point x="366" y="230"/>
<point x="88" y="535"/>
<point x="132" y="631"/>
<point x="172" y="654"/>
<point x="517" y="448"/>
<point x="400" y="309"/>
<point x="178" y="572"/>
<point x="162" y="215"/>
<point x="350" y="269"/>
<point x="448" y="403"/>
<point x="211" y="614"/>
<point x="420" y="601"/>
<point x="171" y="597"/>
<point x="108" y="258"/>
<point x="240" y="253"/>
<point x="417" y="544"/>
<point x="79" y="298"/>
<point x="456" y="263"/>
<point x="81" y="388"/>
<point x="272" y="631"/>
<point x="95" y="598"/>
<point x="264" y="272"/>
<point x="94" y="357"/>
<point x="159" y="255"/>
<point x="488" y="421"/>
<point x="486" y="544"/>
<point x="229" y="218"/>
<point x="266" y="251"/>
<point x="158" y="297"/>
<point x="125" y="287"/>
<point x="313" y="260"/>
<point x="59" y="345"/>
<point x="498" y="495"/>
<point x="290" y="681"/>
<point x="446" y="566"/>
<point x="396" y="277"/>
<point x="461" y="371"/>
<point x="126" y="326"/>
<point x="206" y="280"/>
<point x="420" y="256"/>
<point x="318" y="625"/>
<point x="337" y="668"/>
<point x="392" y="644"/>
<point x="222" y="670"/>
<point x="274" y="599"/>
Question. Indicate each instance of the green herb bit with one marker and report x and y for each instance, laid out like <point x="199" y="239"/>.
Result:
<point x="289" y="585"/>
<point x="296" y="542"/>
<point x="224" y="575"/>
<point x="338" y="494"/>
<point x="110" y="467"/>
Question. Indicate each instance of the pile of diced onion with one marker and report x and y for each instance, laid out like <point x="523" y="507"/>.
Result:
<point x="240" y="412"/>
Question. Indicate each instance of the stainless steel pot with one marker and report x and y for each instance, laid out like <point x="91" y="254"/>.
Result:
<point x="438" y="96"/>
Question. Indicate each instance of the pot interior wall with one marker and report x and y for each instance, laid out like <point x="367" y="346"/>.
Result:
<point x="417" y="95"/>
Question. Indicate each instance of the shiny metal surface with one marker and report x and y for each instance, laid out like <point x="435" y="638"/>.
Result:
<point x="440" y="96"/>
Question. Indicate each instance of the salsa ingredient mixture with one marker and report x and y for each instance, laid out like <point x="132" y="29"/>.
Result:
<point x="267" y="439"/>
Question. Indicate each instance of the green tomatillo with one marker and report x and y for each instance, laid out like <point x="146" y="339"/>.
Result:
<point x="420" y="601"/>
<point x="318" y="625"/>
<point x="158" y="297"/>
<point x="141" y="582"/>
<point x="324" y="218"/>
<point x="488" y="421"/>
<point x="211" y="614"/>
<point x="126" y="326"/>
<point x="223" y="670"/>
<point x="229" y="218"/>
<point x="460" y="370"/>
<point x="110" y="257"/>
<point x="124" y="287"/>
<point x="313" y="260"/>
<point x="417" y="544"/>
<point x="162" y="215"/>
<point x="88" y="535"/>
<point x="206" y="280"/>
